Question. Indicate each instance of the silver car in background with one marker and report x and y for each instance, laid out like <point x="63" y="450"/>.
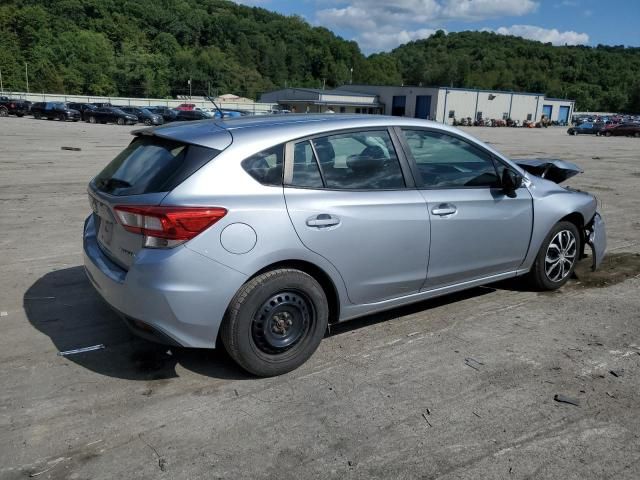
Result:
<point x="260" y="231"/>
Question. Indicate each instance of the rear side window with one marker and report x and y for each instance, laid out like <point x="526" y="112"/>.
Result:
<point x="359" y="161"/>
<point x="265" y="166"/>
<point x="150" y="165"/>
<point x="305" y="167"/>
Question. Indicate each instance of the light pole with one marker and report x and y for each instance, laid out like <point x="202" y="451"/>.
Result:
<point x="1" y="87"/>
<point x="26" y="74"/>
<point x="189" y="82"/>
<point x="350" y="75"/>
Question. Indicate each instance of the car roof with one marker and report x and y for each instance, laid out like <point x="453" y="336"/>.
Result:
<point x="265" y="131"/>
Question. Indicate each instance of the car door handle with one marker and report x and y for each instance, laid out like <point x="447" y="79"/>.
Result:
<point x="444" y="209"/>
<point x="323" y="220"/>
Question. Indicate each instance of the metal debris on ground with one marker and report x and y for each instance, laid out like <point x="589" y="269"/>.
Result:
<point x="558" y="397"/>
<point x="73" y="149"/>
<point x="617" y="373"/>
<point x="3" y="314"/>
<point x="470" y="362"/>
<point x="610" y="394"/>
<point x="81" y="350"/>
<point x="426" y="420"/>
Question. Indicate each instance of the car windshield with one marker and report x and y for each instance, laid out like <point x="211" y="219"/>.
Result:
<point x="146" y="111"/>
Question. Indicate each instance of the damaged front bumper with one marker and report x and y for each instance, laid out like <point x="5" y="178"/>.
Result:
<point x="596" y="237"/>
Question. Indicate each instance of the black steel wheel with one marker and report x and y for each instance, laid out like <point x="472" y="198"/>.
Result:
<point x="275" y="322"/>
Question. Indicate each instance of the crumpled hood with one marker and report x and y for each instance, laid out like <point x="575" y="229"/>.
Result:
<point x="550" y="169"/>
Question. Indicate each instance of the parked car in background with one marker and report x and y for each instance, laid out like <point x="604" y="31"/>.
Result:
<point x="85" y="109"/>
<point x="102" y="104"/>
<point x="188" y="115"/>
<point x="587" y="128"/>
<point x="624" y="129"/>
<point x="144" y="115"/>
<point x="168" y="113"/>
<point x="183" y="107"/>
<point x="207" y="111"/>
<point x="14" y="106"/>
<point x="112" y="115"/>
<point x="54" y="111"/>
<point x="259" y="232"/>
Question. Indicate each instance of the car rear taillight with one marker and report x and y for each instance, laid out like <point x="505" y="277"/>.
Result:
<point x="166" y="227"/>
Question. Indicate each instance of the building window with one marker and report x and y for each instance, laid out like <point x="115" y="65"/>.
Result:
<point x="505" y="115"/>
<point x="452" y="114"/>
<point x="529" y="116"/>
<point x="398" y="105"/>
<point x="342" y="109"/>
<point x="357" y="110"/>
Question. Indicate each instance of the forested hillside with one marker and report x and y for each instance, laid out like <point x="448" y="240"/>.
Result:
<point x="152" y="48"/>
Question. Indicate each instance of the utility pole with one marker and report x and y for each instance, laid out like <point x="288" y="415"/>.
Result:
<point x="189" y="82"/>
<point x="1" y="87"/>
<point x="350" y="75"/>
<point x="26" y="74"/>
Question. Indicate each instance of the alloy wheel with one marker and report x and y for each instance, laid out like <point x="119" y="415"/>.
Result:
<point x="561" y="255"/>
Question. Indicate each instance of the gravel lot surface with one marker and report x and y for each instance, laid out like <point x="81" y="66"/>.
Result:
<point x="461" y="387"/>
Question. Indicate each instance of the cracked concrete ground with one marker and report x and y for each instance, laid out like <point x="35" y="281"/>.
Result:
<point x="461" y="387"/>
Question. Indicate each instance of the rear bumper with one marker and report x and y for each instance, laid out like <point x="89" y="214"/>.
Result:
<point x="596" y="235"/>
<point x="173" y="296"/>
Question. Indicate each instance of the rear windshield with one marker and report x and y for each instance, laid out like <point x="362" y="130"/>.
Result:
<point x="151" y="165"/>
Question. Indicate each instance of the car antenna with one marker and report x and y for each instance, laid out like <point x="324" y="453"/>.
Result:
<point x="215" y="105"/>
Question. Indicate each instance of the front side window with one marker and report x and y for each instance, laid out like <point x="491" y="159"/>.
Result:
<point x="445" y="161"/>
<point x="265" y="166"/>
<point x="359" y="160"/>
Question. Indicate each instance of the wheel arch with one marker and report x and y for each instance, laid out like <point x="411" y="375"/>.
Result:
<point x="321" y="276"/>
<point x="579" y="221"/>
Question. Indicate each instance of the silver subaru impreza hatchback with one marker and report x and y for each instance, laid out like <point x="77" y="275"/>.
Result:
<point x="260" y="231"/>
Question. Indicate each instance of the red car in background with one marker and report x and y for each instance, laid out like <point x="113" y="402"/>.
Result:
<point x="623" y="129"/>
<point x="185" y="107"/>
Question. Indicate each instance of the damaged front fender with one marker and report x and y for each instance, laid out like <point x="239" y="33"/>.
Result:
<point x="596" y="235"/>
<point x="550" y="169"/>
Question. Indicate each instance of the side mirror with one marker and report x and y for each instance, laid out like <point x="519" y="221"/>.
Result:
<point x="511" y="181"/>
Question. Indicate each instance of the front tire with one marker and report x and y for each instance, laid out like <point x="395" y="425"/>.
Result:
<point x="120" y="121"/>
<point x="557" y="257"/>
<point x="92" y="119"/>
<point x="275" y="322"/>
<point x="4" y="112"/>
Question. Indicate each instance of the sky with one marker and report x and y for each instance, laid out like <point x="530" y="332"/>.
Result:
<point x="379" y="25"/>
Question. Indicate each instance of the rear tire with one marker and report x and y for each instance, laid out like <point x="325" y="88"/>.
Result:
<point x="147" y="122"/>
<point x="92" y="119"/>
<point x="120" y="121"/>
<point x="557" y="257"/>
<point x="4" y="112"/>
<point x="636" y="134"/>
<point x="607" y="134"/>
<point x="275" y="322"/>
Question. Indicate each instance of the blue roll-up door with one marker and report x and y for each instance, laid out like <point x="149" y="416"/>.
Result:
<point x="423" y="106"/>
<point x="563" y="116"/>
<point x="547" y="110"/>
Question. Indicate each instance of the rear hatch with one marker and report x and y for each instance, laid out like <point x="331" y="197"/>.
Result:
<point x="141" y="175"/>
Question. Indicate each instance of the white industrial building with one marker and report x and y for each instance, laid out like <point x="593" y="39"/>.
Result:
<point x="441" y="104"/>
